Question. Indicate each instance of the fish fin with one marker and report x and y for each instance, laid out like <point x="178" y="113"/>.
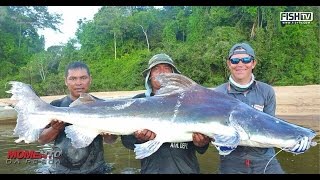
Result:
<point x="226" y="144"/>
<point x="27" y="129"/>
<point x="146" y="149"/>
<point x="225" y="150"/>
<point x="172" y="83"/>
<point x="84" y="98"/>
<point x="80" y="136"/>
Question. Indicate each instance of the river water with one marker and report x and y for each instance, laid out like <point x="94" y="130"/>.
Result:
<point x="122" y="160"/>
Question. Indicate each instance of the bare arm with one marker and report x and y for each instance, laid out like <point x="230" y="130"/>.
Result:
<point x="49" y="134"/>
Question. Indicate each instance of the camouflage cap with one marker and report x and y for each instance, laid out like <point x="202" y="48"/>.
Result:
<point x="160" y="59"/>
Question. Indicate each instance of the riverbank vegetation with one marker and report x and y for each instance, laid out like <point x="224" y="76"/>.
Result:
<point x="119" y="41"/>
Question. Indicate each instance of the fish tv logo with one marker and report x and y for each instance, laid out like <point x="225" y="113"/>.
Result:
<point x="296" y="17"/>
<point x="47" y="156"/>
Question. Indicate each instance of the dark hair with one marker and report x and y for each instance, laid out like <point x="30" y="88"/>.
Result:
<point x="76" y="65"/>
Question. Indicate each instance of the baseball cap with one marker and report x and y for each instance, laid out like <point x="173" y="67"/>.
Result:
<point x="160" y="59"/>
<point x="241" y="48"/>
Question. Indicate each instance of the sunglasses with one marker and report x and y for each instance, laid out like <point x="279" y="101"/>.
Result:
<point x="245" y="60"/>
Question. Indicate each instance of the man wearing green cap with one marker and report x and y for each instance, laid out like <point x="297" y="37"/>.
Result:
<point x="170" y="158"/>
<point x="261" y="96"/>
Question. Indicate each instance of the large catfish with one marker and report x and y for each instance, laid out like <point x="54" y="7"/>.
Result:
<point x="179" y="108"/>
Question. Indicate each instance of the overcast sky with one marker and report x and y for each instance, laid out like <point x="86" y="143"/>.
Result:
<point x="70" y="16"/>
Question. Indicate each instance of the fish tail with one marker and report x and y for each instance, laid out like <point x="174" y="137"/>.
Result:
<point x="27" y="129"/>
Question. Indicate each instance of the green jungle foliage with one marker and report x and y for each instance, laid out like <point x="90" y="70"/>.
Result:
<point x="119" y="41"/>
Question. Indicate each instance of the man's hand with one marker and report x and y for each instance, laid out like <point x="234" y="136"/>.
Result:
<point x="109" y="138"/>
<point x="200" y="140"/>
<point x="301" y="147"/>
<point x="144" y="135"/>
<point x="57" y="125"/>
<point x="51" y="131"/>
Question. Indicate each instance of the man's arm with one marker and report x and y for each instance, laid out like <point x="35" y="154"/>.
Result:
<point x="50" y="132"/>
<point x="270" y="102"/>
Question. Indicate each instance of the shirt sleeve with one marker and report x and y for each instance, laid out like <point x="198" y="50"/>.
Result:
<point x="128" y="141"/>
<point x="202" y="150"/>
<point x="270" y="102"/>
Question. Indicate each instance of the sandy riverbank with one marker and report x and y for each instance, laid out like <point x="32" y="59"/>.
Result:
<point x="291" y="101"/>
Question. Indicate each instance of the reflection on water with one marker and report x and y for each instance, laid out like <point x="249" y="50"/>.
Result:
<point x="123" y="162"/>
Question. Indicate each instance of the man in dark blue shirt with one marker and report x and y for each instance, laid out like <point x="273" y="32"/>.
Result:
<point x="87" y="160"/>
